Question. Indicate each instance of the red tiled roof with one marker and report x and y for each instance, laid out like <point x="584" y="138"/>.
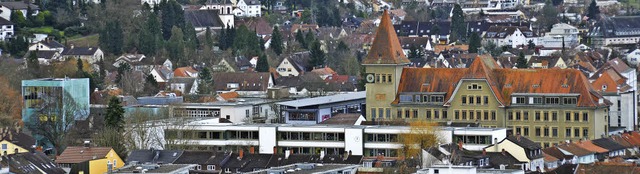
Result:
<point x="78" y="154"/>
<point x="386" y="47"/>
<point x="184" y="71"/>
<point x="632" y="137"/>
<point x="590" y="146"/>
<point x="605" y="79"/>
<point x="503" y="82"/>
<point x="229" y="95"/>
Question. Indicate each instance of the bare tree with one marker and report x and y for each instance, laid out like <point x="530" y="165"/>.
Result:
<point x="421" y="135"/>
<point x="132" y="82"/>
<point x="55" y="113"/>
<point x="143" y="130"/>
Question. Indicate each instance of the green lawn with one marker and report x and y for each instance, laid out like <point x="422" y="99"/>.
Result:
<point x="90" y="41"/>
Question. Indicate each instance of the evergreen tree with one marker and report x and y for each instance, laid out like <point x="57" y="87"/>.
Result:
<point x="263" y="64"/>
<point x="150" y="36"/>
<point x="435" y="29"/>
<point x="175" y="46"/>
<point x="342" y="46"/>
<point x="522" y="62"/>
<point x="548" y="16"/>
<point x="122" y="68"/>
<point x="112" y="38"/>
<point x="593" y="10"/>
<point x="317" y="55"/>
<point x="151" y="85"/>
<point x="458" y="27"/>
<point x="190" y="39"/>
<point x="172" y="15"/>
<point x="337" y="20"/>
<point x="415" y="52"/>
<point x="205" y="82"/>
<point x="531" y="45"/>
<point x="300" y="39"/>
<point x="208" y="38"/>
<point x="474" y="42"/>
<point x="114" y="116"/>
<point x="18" y="18"/>
<point x="309" y="38"/>
<point x="222" y="37"/>
<point x="246" y="42"/>
<point x="276" y="41"/>
<point x="79" y="67"/>
<point x="33" y="64"/>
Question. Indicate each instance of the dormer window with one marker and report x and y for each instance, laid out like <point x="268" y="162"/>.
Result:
<point x="604" y="87"/>
<point x="474" y="86"/>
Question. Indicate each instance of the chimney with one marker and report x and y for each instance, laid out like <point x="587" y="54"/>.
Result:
<point x="15" y="151"/>
<point x="240" y="153"/>
<point x="460" y="144"/>
<point x="484" y="152"/>
<point x="518" y="136"/>
<point x="286" y="154"/>
<point x="252" y="150"/>
<point x="275" y="150"/>
<point x="71" y="46"/>
<point x="504" y="152"/>
<point x="321" y="154"/>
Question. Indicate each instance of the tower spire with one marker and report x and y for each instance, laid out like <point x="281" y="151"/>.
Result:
<point x="386" y="47"/>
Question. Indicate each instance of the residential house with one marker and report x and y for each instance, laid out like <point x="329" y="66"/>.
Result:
<point x="47" y="45"/>
<point x="547" y="62"/>
<point x="631" y="150"/>
<point x="45" y="57"/>
<point x="510" y="36"/>
<point x="152" y="3"/>
<point x="199" y="158"/>
<point x="90" y="54"/>
<point x="153" y="156"/>
<point x="607" y="167"/>
<point x="235" y="64"/>
<point x="158" y="168"/>
<point x="162" y="75"/>
<point x="345" y="119"/>
<point x="6" y="8"/>
<point x="261" y="26"/>
<point x="615" y="149"/>
<point x="186" y="71"/>
<point x="15" y="141"/>
<point x="140" y="62"/>
<point x="550" y="162"/>
<point x="563" y="158"/>
<point x="421" y="44"/>
<point x="561" y="35"/>
<point x="523" y="149"/>
<point x="294" y="65"/>
<point x="633" y="56"/>
<point x="504" y="158"/>
<point x="438" y="30"/>
<point x="185" y="85"/>
<point x="87" y="159"/>
<point x="324" y="73"/>
<point x="531" y="102"/>
<point x="6" y="29"/>
<point x="616" y="30"/>
<point x="577" y="153"/>
<point x="201" y="19"/>
<point x="615" y="81"/>
<point x="243" y="83"/>
<point x="29" y="163"/>
<point x="249" y="8"/>
<point x="224" y="7"/>
<point x="600" y="153"/>
<point x="454" y="154"/>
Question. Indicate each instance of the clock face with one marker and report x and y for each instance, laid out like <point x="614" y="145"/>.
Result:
<point x="370" y="78"/>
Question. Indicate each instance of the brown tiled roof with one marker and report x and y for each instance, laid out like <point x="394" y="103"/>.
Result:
<point x="556" y="153"/>
<point x="503" y="82"/>
<point x="184" y="71"/>
<point x="632" y="137"/>
<point x="605" y="79"/>
<point x="439" y="48"/>
<point x="386" y="47"/>
<point x="229" y="95"/>
<point x="590" y="146"/>
<point x="618" y="139"/>
<point x="549" y="158"/>
<point x="323" y="71"/>
<point x="601" y="167"/>
<point x="245" y="81"/>
<point x="78" y="154"/>
<point x="574" y="149"/>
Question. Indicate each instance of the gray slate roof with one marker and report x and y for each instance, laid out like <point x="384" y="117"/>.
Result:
<point x="149" y="156"/>
<point x="203" y="18"/>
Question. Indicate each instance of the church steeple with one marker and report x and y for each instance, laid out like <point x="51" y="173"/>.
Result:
<point x="386" y="47"/>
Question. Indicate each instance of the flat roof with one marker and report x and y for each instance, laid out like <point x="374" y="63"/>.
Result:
<point x="325" y="99"/>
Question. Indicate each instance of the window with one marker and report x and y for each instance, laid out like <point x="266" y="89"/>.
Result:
<point x="486" y="115"/>
<point x="417" y="98"/>
<point x="546" y="132"/>
<point x="585" y="132"/>
<point x="510" y="117"/>
<point x="567" y="116"/>
<point x="537" y="115"/>
<point x="576" y="116"/>
<point x="538" y="133"/>
<point x="546" y="115"/>
<point x="437" y="99"/>
<point x="415" y="113"/>
<point x="525" y="131"/>
<point x="526" y="115"/>
<point x="388" y="113"/>
<point x="436" y="114"/>
<point x="552" y="100"/>
<point x="115" y="163"/>
<point x="211" y="167"/>
<point x="444" y="114"/>
<point x="464" y="99"/>
<point x="470" y="99"/>
<point x="474" y="86"/>
<point x="246" y="113"/>
<point x="380" y="112"/>
<point x="570" y="101"/>
<point x="478" y="100"/>
<point x="373" y="112"/>
<point x="425" y="98"/>
<point x="576" y="132"/>
<point x="4" y="147"/>
<point x="520" y="100"/>
<point x="399" y="113"/>
<point x="493" y="115"/>
<point x="486" y="100"/>
<point x="406" y="98"/>
<point x="456" y="115"/>
<point x="537" y="100"/>
<point x="478" y="115"/>
<point x="428" y="114"/>
<point x="464" y="114"/>
<point x="568" y="132"/>
<point x="406" y="113"/>
<point x="554" y="132"/>
<point x="554" y="116"/>
<point x="518" y="117"/>
<point x="585" y="116"/>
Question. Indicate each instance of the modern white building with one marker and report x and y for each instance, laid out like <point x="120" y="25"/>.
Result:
<point x="7" y="7"/>
<point x="240" y="110"/>
<point x="6" y="29"/>
<point x="332" y="139"/>
<point x="318" y="109"/>
<point x="249" y="8"/>
<point x="511" y="36"/>
<point x="446" y="169"/>
<point x="560" y="32"/>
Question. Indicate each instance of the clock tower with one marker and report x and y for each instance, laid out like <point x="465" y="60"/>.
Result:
<point x="383" y="68"/>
